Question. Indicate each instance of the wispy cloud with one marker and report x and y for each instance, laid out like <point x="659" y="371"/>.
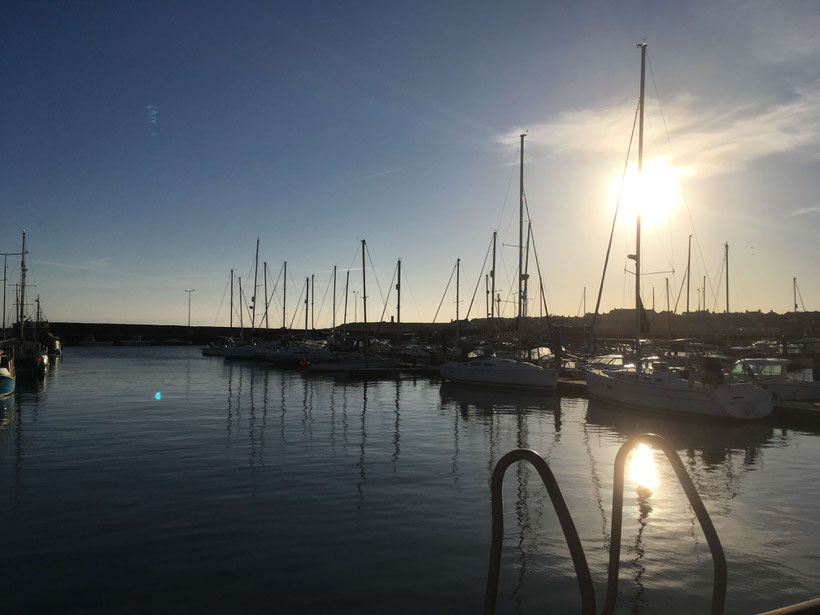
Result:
<point x="803" y="212"/>
<point x="365" y="178"/>
<point x="705" y="140"/>
<point x="100" y="264"/>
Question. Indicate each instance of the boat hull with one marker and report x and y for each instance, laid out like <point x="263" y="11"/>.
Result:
<point x="496" y="372"/>
<point x="7" y="383"/>
<point x="671" y="394"/>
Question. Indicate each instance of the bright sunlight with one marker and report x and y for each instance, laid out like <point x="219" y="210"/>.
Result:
<point x="655" y="193"/>
<point x="641" y="466"/>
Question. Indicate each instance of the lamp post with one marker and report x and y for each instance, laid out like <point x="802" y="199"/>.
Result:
<point x="189" y="310"/>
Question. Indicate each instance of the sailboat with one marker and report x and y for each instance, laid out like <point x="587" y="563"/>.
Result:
<point x="28" y="353"/>
<point x="662" y="389"/>
<point x="495" y="371"/>
<point x="365" y="362"/>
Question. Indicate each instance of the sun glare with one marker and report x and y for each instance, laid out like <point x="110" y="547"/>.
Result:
<point x="641" y="467"/>
<point x="654" y="193"/>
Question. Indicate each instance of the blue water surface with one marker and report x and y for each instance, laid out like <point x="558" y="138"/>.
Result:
<point x="244" y="489"/>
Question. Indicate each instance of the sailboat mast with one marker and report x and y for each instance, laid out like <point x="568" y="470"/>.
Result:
<point x="312" y="298"/>
<point x="307" y="311"/>
<point x="347" y="285"/>
<point x="231" y="318"/>
<point x="265" y="278"/>
<point x="642" y="47"/>
<point x="727" y="277"/>
<point x="794" y="290"/>
<point x="284" y="295"/>
<point x="492" y="275"/>
<point x="458" y="274"/>
<point x="241" y="318"/>
<point x="364" y="296"/>
<point x="398" y="304"/>
<point x="487" y="295"/>
<point x="253" y="295"/>
<point x="21" y="316"/>
<point x="521" y="247"/>
<point x="334" y="300"/>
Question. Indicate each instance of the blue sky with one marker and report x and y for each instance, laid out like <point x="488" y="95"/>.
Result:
<point x="314" y="125"/>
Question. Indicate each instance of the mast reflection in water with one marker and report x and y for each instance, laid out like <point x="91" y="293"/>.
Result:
<point x="248" y="490"/>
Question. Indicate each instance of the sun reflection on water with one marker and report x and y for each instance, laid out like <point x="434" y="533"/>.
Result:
<point x="641" y="466"/>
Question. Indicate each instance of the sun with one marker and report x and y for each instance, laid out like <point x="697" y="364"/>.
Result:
<point x="655" y="193"/>
<point x="641" y="468"/>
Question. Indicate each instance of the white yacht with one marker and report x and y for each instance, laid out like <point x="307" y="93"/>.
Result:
<point x="500" y="372"/>
<point x="658" y="388"/>
<point x="772" y="375"/>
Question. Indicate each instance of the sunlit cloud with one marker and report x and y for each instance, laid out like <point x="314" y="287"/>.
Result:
<point x="705" y="141"/>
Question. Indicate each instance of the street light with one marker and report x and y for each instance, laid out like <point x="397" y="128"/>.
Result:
<point x="189" y="310"/>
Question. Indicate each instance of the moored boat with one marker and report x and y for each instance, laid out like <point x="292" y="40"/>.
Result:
<point x="8" y="376"/>
<point x="772" y="375"/>
<point x="658" y="388"/>
<point x="493" y="371"/>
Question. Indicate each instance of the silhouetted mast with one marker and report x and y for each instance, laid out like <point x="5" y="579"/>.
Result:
<point x="642" y="47"/>
<point x="253" y="296"/>
<point x="521" y="248"/>
<point x="727" y="277"/>
<point x="364" y="295"/>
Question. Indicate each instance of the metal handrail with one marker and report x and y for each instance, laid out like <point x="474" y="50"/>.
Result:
<point x="718" y="557"/>
<point x="564" y="518"/>
<point x="811" y="607"/>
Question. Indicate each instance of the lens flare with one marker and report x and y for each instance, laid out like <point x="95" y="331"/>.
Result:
<point x="654" y="193"/>
<point x="641" y="467"/>
<point x="158" y="395"/>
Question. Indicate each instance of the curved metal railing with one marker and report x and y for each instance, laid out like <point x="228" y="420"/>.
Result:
<point x="571" y="534"/>
<point x="579" y="560"/>
<point x="718" y="557"/>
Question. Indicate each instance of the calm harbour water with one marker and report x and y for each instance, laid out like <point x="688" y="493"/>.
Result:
<point x="245" y="489"/>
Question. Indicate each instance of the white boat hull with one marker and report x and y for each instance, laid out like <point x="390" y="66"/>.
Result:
<point x="792" y="390"/>
<point x="500" y="373"/>
<point x="667" y="392"/>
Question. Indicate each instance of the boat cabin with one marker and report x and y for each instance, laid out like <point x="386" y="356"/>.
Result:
<point x="761" y="368"/>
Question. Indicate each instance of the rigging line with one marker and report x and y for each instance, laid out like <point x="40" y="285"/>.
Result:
<point x="273" y="292"/>
<point x="720" y="280"/>
<point x="680" y="186"/>
<point x="322" y="304"/>
<point x="222" y="301"/>
<point x="509" y="184"/>
<point x="370" y="258"/>
<point x="356" y="254"/>
<point x="800" y="295"/>
<point x="538" y="267"/>
<point x="389" y="290"/>
<point x="452" y="273"/>
<point x="484" y="264"/>
<point x="297" y="311"/>
<point x="614" y="219"/>
<point x="682" y="282"/>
